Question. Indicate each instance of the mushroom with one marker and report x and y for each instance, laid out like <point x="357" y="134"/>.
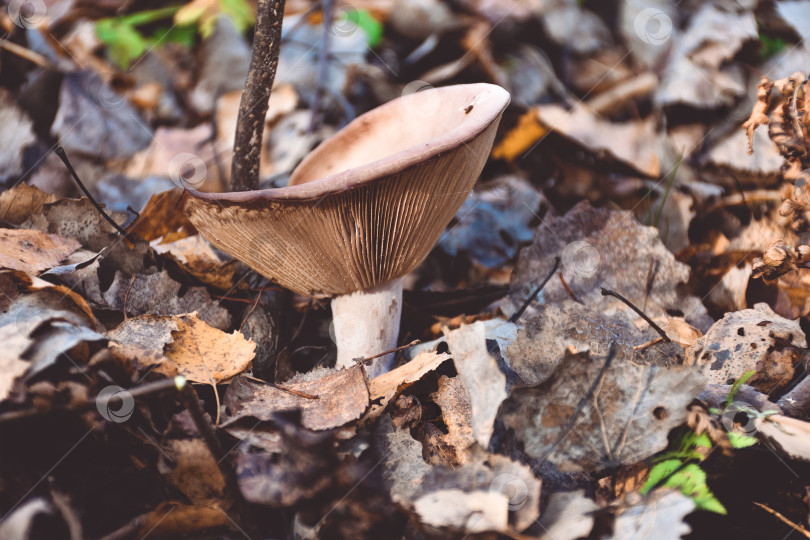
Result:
<point x="362" y="210"/>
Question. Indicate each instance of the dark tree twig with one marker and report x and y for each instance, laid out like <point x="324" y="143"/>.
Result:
<point x="664" y="336"/>
<point x="247" y="144"/>
<point x="531" y="297"/>
<point x="63" y="156"/>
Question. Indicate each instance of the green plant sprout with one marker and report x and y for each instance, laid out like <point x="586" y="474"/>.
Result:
<point x="126" y="40"/>
<point x="678" y="466"/>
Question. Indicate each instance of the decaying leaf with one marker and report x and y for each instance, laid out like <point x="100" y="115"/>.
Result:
<point x="190" y="467"/>
<point x="659" y="515"/>
<point x="610" y="249"/>
<point x="20" y="202"/>
<point x="384" y="388"/>
<point x="11" y="367"/>
<point x="631" y="143"/>
<point x="33" y="251"/>
<point x="326" y="398"/>
<point x="196" y="350"/>
<point x="456" y="413"/>
<point x="751" y="339"/>
<point x="483" y="380"/>
<point x="592" y="414"/>
<point x="488" y="477"/>
<point x="568" y="516"/>
<point x="790" y="436"/>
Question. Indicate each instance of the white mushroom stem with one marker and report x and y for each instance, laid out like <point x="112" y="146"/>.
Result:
<point x="366" y="323"/>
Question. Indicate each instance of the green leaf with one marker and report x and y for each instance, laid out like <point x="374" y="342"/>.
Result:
<point x="367" y="23"/>
<point x="240" y="13"/>
<point x="659" y="472"/>
<point x="691" y="481"/>
<point x="184" y="35"/>
<point x="737" y="384"/>
<point x="124" y="42"/>
<point x="741" y="441"/>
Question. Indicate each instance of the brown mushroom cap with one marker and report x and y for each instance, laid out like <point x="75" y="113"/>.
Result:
<point x="369" y="203"/>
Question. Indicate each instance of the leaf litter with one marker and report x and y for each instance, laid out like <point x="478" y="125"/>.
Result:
<point x="522" y="413"/>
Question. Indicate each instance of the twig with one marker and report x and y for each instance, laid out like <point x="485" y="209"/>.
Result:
<point x="796" y="527"/>
<point x="664" y="336"/>
<point x="323" y="64"/>
<point x="247" y="144"/>
<point x="568" y="289"/>
<point x="252" y="309"/>
<point x="27" y="54"/>
<point x="514" y="318"/>
<point x="192" y="403"/>
<point x="367" y="361"/>
<point x="284" y="388"/>
<point x="126" y="296"/>
<point x="61" y="153"/>
<point x="155" y="387"/>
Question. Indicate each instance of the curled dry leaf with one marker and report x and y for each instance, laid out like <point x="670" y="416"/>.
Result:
<point x="592" y="414"/>
<point x="385" y="387"/>
<point x="33" y="251"/>
<point x="751" y="339"/>
<point x="326" y="398"/>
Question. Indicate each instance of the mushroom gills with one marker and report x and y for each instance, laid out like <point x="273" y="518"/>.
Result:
<point x="366" y="323"/>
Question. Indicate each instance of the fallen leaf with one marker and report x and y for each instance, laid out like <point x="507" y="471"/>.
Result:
<point x="33" y="251"/>
<point x="659" y="515"/>
<point x="385" y="387"/>
<point x="160" y="219"/>
<point x="750" y="339"/>
<point x="567" y="516"/>
<point x="790" y="436"/>
<point x="20" y="202"/>
<point x="591" y="415"/>
<point x="481" y="377"/>
<point x="336" y="398"/>
<point x="633" y="143"/>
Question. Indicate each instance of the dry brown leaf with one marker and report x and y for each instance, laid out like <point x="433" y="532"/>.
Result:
<point x="160" y="219"/>
<point x="197" y="257"/>
<point x="184" y="345"/>
<point x="205" y="354"/>
<point x="632" y="143"/>
<point x="189" y="466"/>
<point x="170" y="520"/>
<point x="456" y="414"/>
<point x="388" y="385"/>
<point x="14" y="344"/>
<point x="520" y="138"/>
<point x="33" y="251"/>
<point x="334" y="399"/>
<point x="20" y="202"/>
<point x="590" y="415"/>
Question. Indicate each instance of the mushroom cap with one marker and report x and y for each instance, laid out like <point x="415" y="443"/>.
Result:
<point x="369" y="203"/>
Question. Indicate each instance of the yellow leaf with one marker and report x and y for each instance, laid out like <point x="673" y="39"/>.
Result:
<point x="520" y="138"/>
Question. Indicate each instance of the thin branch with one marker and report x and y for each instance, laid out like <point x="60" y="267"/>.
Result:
<point x="530" y="299"/>
<point x="664" y="336"/>
<point x="367" y="361"/>
<point x="795" y="526"/>
<point x="247" y="144"/>
<point x="61" y="153"/>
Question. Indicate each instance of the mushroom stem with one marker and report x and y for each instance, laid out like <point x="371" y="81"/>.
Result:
<point x="366" y="323"/>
